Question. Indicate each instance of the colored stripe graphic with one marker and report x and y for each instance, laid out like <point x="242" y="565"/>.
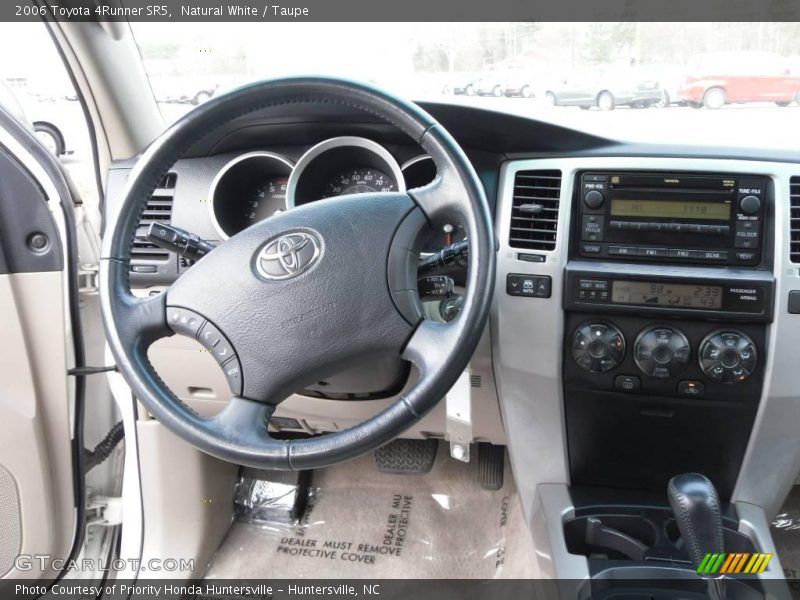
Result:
<point x="728" y="563"/>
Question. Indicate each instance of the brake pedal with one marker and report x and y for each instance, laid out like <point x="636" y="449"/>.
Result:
<point x="491" y="465"/>
<point x="406" y="457"/>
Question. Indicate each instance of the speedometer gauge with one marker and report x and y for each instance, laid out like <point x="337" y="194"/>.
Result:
<point x="359" y="180"/>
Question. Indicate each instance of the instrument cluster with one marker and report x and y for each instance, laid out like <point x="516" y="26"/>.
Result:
<point x="257" y="185"/>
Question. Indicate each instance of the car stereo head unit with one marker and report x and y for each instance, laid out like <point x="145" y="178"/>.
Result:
<point x="672" y="217"/>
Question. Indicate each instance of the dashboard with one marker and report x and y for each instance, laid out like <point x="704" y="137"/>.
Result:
<point x="648" y="328"/>
<point x="259" y="184"/>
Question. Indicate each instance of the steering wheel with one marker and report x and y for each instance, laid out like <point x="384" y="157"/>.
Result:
<point x="304" y="294"/>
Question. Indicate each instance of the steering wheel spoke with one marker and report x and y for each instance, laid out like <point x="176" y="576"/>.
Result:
<point x="431" y="344"/>
<point x="242" y="416"/>
<point x="139" y="321"/>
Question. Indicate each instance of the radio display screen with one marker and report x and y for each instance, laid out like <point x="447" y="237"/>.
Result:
<point x="666" y="294"/>
<point x="671" y="209"/>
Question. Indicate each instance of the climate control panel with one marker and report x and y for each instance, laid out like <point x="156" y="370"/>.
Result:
<point x="661" y="352"/>
<point x="728" y="356"/>
<point x="690" y="359"/>
<point x="598" y="347"/>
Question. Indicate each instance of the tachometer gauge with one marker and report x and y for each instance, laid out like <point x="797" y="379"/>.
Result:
<point x="248" y="189"/>
<point x="359" y="180"/>
<point x="268" y="199"/>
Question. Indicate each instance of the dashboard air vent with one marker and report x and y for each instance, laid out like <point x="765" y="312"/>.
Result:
<point x="158" y="210"/>
<point x="534" y="212"/>
<point x="794" y="223"/>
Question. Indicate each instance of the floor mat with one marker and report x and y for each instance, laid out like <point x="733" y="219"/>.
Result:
<point x="361" y="523"/>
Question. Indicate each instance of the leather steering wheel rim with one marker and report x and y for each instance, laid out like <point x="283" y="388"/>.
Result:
<point x="357" y="299"/>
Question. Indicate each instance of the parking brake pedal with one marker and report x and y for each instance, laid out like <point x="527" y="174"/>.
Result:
<point x="406" y="457"/>
<point x="491" y="465"/>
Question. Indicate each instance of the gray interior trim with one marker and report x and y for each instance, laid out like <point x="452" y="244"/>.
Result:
<point x="527" y="338"/>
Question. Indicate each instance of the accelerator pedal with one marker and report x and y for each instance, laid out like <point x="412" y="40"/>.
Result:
<point x="406" y="457"/>
<point x="491" y="465"/>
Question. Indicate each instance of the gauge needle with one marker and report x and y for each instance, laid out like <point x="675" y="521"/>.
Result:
<point x="448" y="234"/>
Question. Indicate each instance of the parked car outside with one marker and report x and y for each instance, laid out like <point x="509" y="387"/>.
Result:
<point x="490" y="84"/>
<point x="520" y="82"/>
<point x="670" y="80"/>
<point x="719" y="78"/>
<point x="606" y="90"/>
<point x="464" y="84"/>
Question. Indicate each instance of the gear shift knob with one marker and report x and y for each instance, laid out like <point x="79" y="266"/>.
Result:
<point x="696" y="506"/>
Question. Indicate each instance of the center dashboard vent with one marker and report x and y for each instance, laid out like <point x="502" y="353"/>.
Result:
<point x="158" y="210"/>
<point x="794" y="221"/>
<point x="534" y="211"/>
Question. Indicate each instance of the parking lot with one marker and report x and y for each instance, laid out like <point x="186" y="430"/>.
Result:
<point x="741" y="125"/>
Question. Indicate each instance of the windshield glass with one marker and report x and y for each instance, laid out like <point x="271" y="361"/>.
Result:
<point x="692" y="83"/>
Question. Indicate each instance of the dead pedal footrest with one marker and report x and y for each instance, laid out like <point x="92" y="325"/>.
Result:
<point x="491" y="465"/>
<point x="406" y="457"/>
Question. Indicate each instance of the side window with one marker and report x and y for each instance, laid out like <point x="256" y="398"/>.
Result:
<point x="33" y="73"/>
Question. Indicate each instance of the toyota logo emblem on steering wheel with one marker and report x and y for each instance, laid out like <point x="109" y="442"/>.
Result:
<point x="288" y="255"/>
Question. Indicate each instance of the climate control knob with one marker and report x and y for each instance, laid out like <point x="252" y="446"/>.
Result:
<point x="661" y="352"/>
<point x="598" y="347"/>
<point x="728" y="356"/>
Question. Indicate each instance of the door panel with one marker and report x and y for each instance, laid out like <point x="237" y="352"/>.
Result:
<point x="37" y="492"/>
<point x="35" y="445"/>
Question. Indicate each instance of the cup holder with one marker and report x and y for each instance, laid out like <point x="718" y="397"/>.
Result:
<point x="639" y="536"/>
<point x="615" y="537"/>
<point x="672" y="533"/>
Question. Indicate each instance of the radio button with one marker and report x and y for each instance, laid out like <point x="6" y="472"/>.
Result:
<point x="652" y="252"/>
<point x="747" y="234"/>
<point x="593" y="199"/>
<point x="591" y="248"/>
<point x="746" y="256"/>
<point x="681" y="253"/>
<point x="712" y="255"/>
<point x="592" y="228"/>
<point x="750" y="205"/>
<point x="622" y="251"/>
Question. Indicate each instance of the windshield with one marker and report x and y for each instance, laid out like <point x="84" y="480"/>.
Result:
<point x="691" y="83"/>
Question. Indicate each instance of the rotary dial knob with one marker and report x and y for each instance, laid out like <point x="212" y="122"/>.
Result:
<point x="598" y="347"/>
<point x="661" y="352"/>
<point x="728" y="356"/>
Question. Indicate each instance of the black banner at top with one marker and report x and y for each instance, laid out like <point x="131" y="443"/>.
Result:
<point x="400" y="10"/>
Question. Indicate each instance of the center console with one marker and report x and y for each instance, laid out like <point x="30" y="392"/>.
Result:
<point x="669" y="290"/>
<point x="667" y="294"/>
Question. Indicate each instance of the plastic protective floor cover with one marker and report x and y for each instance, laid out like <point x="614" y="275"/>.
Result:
<point x="361" y="523"/>
<point x="786" y="534"/>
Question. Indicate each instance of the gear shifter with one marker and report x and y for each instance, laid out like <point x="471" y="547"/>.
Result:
<point x="695" y="502"/>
